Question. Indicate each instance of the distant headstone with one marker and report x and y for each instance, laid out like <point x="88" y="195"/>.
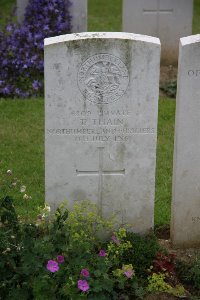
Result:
<point x="21" y="8"/>
<point x="185" y="227"/>
<point x="169" y="20"/>
<point x="101" y="122"/>
<point x="77" y="9"/>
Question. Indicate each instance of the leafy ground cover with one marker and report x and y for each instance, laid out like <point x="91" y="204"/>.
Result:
<point x="66" y="257"/>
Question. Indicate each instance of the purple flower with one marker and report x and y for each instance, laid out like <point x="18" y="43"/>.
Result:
<point x="36" y="85"/>
<point x="6" y="90"/>
<point x="46" y="27"/>
<point x="83" y="285"/>
<point x="17" y="91"/>
<point x="4" y="62"/>
<point x="85" y="273"/>
<point x="129" y="273"/>
<point x="115" y="240"/>
<point x="52" y="266"/>
<point x="102" y="253"/>
<point x="22" y="60"/>
<point x="9" y="28"/>
<point x="60" y="259"/>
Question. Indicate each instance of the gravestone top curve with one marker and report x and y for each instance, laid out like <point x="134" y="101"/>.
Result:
<point x="101" y="35"/>
<point x="188" y="40"/>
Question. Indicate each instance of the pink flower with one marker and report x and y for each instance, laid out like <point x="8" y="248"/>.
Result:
<point x="85" y="273"/>
<point x="60" y="259"/>
<point x="52" y="266"/>
<point x="102" y="252"/>
<point x="115" y="240"/>
<point x="129" y="273"/>
<point x="83" y="285"/>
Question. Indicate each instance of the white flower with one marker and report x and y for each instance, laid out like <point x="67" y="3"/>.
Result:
<point x="14" y="183"/>
<point x="47" y="208"/>
<point x="9" y="172"/>
<point x="25" y="197"/>
<point x="46" y="211"/>
<point x="22" y="188"/>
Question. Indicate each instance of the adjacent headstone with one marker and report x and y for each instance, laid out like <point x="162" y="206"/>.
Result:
<point x="167" y="19"/>
<point x="77" y="9"/>
<point x="101" y="122"/>
<point x="185" y="227"/>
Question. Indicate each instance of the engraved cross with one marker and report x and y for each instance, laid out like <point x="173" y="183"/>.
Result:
<point x="158" y="11"/>
<point x="100" y="173"/>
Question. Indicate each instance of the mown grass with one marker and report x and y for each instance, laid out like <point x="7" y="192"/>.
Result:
<point x="104" y="15"/>
<point x="22" y="148"/>
<point x="7" y="9"/>
<point x="196" y="17"/>
<point x="164" y="164"/>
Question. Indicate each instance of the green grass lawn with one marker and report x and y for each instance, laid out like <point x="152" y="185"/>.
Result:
<point x="165" y="144"/>
<point x="196" y="17"/>
<point x="22" y="125"/>
<point x="22" y="147"/>
<point x="104" y="15"/>
<point x="6" y="10"/>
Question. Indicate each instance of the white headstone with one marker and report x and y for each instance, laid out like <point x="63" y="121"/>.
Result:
<point x="169" y="20"/>
<point x="101" y="121"/>
<point x="185" y="227"/>
<point x="21" y="9"/>
<point x="77" y="9"/>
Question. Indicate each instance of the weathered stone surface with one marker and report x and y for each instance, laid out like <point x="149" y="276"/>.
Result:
<point x="167" y="19"/>
<point x="78" y="11"/>
<point x="101" y="122"/>
<point x="185" y="227"/>
<point x="21" y="8"/>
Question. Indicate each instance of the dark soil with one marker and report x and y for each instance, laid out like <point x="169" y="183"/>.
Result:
<point x="167" y="74"/>
<point x="161" y="296"/>
<point x="187" y="255"/>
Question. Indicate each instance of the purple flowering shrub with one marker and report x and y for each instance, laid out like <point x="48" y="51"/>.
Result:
<point x="21" y="47"/>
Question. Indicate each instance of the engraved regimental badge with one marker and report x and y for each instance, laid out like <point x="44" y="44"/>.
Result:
<point x="103" y="78"/>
